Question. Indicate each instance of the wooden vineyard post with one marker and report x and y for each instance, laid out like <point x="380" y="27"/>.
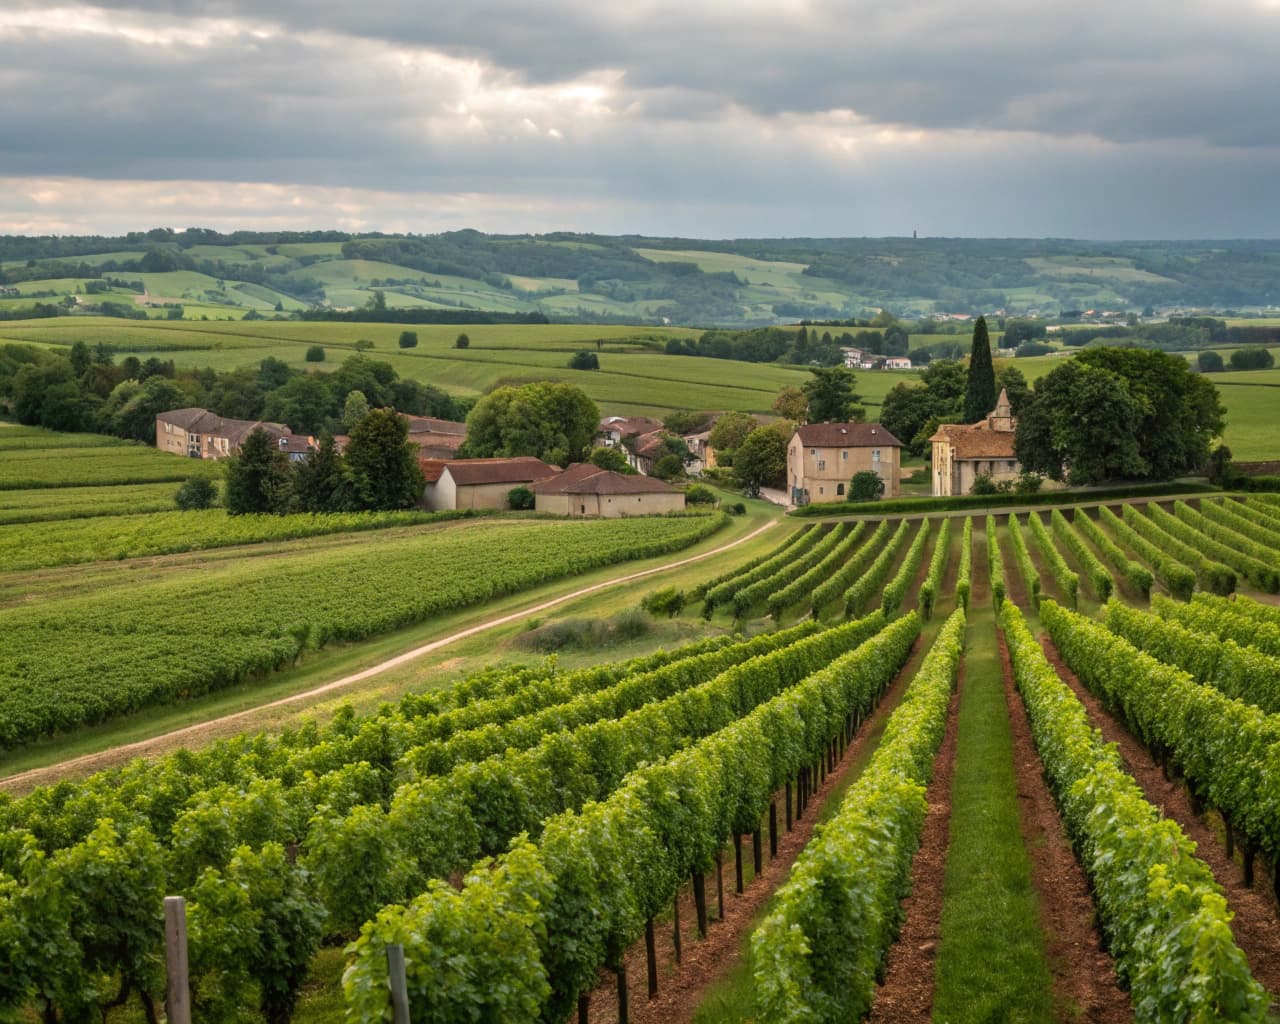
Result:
<point x="651" y="957"/>
<point x="720" y="885"/>
<point x="700" y="901"/>
<point x="675" y="932"/>
<point x="399" y="983"/>
<point x="178" y="990"/>
<point x="787" y="800"/>
<point x="621" y="971"/>
<point x="584" y="1008"/>
<point x="737" y="859"/>
<point x="773" y="828"/>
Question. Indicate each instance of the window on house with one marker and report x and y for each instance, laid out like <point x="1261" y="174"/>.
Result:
<point x="1013" y="464"/>
<point x="844" y="455"/>
<point x="822" y="463"/>
<point x="839" y="489"/>
<point x="875" y="454"/>
<point x="813" y="451"/>
<point x="821" y="491"/>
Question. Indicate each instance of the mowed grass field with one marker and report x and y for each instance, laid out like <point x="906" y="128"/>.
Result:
<point x="636" y="377"/>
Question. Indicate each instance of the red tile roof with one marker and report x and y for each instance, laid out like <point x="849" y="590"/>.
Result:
<point x="585" y="478"/>
<point x="522" y="470"/>
<point x="978" y="441"/>
<point x="846" y="435"/>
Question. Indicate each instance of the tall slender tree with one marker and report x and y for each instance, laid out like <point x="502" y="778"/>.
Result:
<point x="980" y="395"/>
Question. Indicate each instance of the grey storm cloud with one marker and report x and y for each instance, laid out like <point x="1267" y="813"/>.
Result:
<point x="792" y="116"/>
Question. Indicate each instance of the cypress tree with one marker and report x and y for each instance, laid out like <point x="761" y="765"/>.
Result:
<point x="980" y="395"/>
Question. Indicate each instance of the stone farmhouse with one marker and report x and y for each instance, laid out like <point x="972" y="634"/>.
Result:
<point x="587" y="490"/>
<point x="478" y="483"/>
<point x="436" y="438"/>
<point x="823" y="457"/>
<point x="962" y="451"/>
<point x="201" y="434"/>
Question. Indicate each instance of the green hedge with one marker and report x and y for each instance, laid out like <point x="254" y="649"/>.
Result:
<point x="925" y="506"/>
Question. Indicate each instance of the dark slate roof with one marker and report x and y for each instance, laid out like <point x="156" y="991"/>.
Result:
<point x="846" y="435"/>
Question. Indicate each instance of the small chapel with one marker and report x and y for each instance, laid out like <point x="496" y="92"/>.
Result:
<point x="963" y="451"/>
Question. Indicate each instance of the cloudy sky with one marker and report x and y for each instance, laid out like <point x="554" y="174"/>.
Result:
<point x="713" y="118"/>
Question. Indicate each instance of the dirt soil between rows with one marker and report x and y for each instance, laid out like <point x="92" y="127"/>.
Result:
<point x="1256" y="925"/>
<point x="1084" y="975"/>
<point x="906" y="997"/>
<point x="705" y="962"/>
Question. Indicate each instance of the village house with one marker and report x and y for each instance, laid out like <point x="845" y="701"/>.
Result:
<point x="897" y="363"/>
<point x="587" y="490"/>
<point x="436" y="438"/>
<point x="201" y="434"/>
<point x="858" y="359"/>
<point x="963" y="451"/>
<point x="478" y="483"/>
<point x="823" y="457"/>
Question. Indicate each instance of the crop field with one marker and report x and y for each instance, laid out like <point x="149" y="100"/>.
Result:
<point x="137" y="534"/>
<point x="78" y="655"/>
<point x="27" y="468"/>
<point x="942" y="693"/>
<point x="47" y="504"/>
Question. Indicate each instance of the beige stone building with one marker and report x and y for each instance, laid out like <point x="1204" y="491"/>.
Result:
<point x="963" y="451"/>
<point x="587" y="490"/>
<point x="823" y="457"/>
<point x="479" y="483"/>
<point x="201" y="434"/>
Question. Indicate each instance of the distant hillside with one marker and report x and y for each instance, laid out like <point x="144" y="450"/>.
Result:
<point x="623" y="279"/>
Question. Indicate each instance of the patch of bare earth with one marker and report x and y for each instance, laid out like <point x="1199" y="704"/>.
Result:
<point x="1084" y="976"/>
<point x="705" y="962"/>
<point x="906" y="997"/>
<point x="1256" y="924"/>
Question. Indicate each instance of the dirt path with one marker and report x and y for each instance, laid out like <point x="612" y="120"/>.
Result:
<point x="1256" y="925"/>
<point x="706" y="962"/>
<point x="906" y="997"/>
<point x="242" y="720"/>
<point x="1084" y="976"/>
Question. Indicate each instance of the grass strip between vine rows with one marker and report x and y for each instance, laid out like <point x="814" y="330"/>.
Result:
<point x="1163" y="914"/>
<point x="816" y="956"/>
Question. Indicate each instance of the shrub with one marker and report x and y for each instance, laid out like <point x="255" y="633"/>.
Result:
<point x="668" y="467"/>
<point x="584" y="361"/>
<point x="1252" y="357"/>
<point x="983" y="484"/>
<point x="363" y="345"/>
<point x="668" y="601"/>
<point x="315" y="354"/>
<point x="866" y="486"/>
<point x="461" y="341"/>
<point x="737" y="509"/>
<point x="408" y="339"/>
<point x="198" y="492"/>
<point x="521" y="499"/>
<point x="1209" y="361"/>
<point x="699" y="495"/>
<point x="1028" y="483"/>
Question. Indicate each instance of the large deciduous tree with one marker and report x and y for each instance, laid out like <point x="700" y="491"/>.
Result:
<point x="980" y="393"/>
<point x="727" y="435"/>
<point x="553" y="422"/>
<point x="1181" y="411"/>
<point x="1081" y="425"/>
<point x="382" y="464"/>
<point x="831" y="396"/>
<point x="761" y="459"/>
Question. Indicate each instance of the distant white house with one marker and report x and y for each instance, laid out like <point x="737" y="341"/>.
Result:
<point x="897" y="363"/>
<point x="858" y="359"/>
